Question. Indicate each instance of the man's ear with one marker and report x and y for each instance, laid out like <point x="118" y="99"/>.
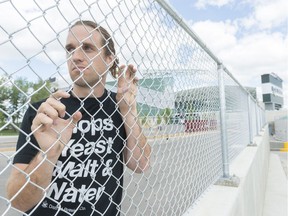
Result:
<point x="109" y="60"/>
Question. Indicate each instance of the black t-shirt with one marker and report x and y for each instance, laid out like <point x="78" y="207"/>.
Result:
<point x="88" y="177"/>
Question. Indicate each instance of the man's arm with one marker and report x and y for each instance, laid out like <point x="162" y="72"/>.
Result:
<point x="28" y="182"/>
<point x="137" y="151"/>
<point x="23" y="180"/>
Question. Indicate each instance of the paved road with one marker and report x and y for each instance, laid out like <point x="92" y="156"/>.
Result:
<point x="181" y="169"/>
<point x="284" y="160"/>
<point x="8" y="143"/>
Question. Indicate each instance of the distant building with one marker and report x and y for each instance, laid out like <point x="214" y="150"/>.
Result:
<point x="272" y="91"/>
<point x="155" y="94"/>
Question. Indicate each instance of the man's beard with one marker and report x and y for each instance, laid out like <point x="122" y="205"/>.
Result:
<point x="87" y="83"/>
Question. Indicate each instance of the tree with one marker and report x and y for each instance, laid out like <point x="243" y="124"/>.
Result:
<point x="15" y="97"/>
<point x="167" y="113"/>
<point x="4" y="96"/>
<point x="42" y="90"/>
<point x="144" y="120"/>
<point x="159" y="119"/>
<point x="18" y="97"/>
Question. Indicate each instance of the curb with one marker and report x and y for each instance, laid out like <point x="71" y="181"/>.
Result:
<point x="285" y="148"/>
<point x="167" y="136"/>
<point x="8" y="149"/>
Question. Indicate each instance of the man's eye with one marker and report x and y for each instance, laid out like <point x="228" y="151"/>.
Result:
<point x="87" y="48"/>
<point x="69" y="50"/>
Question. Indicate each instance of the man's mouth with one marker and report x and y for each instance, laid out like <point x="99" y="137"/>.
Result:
<point x="79" y="68"/>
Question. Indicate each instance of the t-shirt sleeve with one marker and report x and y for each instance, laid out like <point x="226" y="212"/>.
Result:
<point x="27" y="146"/>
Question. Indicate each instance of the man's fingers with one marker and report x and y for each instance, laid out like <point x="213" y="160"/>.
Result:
<point x="41" y="120"/>
<point x="57" y="105"/>
<point x="135" y="81"/>
<point x="52" y="106"/>
<point x="127" y="86"/>
<point x="48" y="110"/>
<point x="76" y="117"/>
<point x="73" y="120"/>
<point x="127" y="72"/>
<point x="60" y="94"/>
<point x="131" y="71"/>
<point x="121" y="75"/>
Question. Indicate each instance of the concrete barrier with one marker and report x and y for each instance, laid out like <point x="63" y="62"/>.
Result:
<point x="251" y="166"/>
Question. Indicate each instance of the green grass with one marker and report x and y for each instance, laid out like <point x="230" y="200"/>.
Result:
<point x="8" y="133"/>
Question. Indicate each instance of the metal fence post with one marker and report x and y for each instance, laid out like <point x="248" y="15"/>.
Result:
<point x="263" y="117"/>
<point x="225" y="151"/>
<point x="257" y="119"/>
<point x="227" y="179"/>
<point x="260" y="118"/>
<point x="250" y="120"/>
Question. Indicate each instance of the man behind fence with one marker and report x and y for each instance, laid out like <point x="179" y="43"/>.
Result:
<point x="72" y="146"/>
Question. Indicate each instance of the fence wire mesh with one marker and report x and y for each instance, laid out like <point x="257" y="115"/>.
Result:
<point x="178" y="109"/>
<point x="236" y="117"/>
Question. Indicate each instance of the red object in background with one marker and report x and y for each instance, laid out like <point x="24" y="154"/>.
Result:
<point x="200" y="125"/>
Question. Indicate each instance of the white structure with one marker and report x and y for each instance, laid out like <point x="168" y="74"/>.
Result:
<point x="272" y="91"/>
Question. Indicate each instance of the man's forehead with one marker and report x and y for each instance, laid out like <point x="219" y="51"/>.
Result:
<point x="82" y="33"/>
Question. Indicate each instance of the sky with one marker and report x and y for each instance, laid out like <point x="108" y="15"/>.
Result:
<point x="248" y="36"/>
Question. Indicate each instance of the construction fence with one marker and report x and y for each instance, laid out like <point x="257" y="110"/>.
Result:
<point x="195" y="114"/>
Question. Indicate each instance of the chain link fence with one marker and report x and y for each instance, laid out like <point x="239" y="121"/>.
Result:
<point x="178" y="102"/>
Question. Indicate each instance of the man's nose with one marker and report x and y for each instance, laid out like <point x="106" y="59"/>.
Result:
<point x="78" y="55"/>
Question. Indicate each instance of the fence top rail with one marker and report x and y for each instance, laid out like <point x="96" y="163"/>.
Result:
<point x="167" y="7"/>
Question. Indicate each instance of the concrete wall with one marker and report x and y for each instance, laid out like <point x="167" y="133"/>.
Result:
<point x="271" y="116"/>
<point x="251" y="166"/>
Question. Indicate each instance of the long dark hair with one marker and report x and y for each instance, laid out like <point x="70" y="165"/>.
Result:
<point x="109" y="49"/>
